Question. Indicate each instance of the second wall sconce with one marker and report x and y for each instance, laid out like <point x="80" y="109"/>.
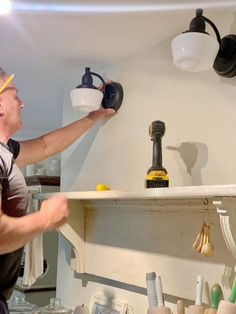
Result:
<point x="195" y="50"/>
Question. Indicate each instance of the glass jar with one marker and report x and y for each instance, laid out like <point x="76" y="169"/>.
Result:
<point x="18" y="305"/>
<point x="54" y="168"/>
<point x="55" y="307"/>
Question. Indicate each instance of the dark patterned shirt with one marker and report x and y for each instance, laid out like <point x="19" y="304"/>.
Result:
<point x="14" y="196"/>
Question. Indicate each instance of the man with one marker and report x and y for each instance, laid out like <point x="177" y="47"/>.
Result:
<point x="16" y="229"/>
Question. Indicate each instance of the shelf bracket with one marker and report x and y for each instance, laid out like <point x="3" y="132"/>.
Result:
<point x="222" y="207"/>
<point x="74" y="232"/>
<point x="77" y="245"/>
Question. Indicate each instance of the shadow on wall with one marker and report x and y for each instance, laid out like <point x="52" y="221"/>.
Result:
<point x="80" y="154"/>
<point x="86" y="278"/>
<point x="233" y="25"/>
<point x="194" y="156"/>
<point x="152" y="232"/>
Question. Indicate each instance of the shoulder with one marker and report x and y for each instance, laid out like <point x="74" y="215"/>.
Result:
<point x="6" y="160"/>
<point x="14" y="147"/>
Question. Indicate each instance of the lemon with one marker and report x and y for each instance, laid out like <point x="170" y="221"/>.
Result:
<point x="102" y="187"/>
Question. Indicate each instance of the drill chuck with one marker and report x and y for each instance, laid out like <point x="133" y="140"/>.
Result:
<point x="157" y="174"/>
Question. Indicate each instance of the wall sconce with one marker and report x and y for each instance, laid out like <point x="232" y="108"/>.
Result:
<point x="195" y="50"/>
<point x="5" y="6"/>
<point x="87" y="97"/>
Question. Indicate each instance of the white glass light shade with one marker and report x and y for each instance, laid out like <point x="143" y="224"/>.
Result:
<point x="194" y="51"/>
<point x="86" y="99"/>
<point x="5" y="6"/>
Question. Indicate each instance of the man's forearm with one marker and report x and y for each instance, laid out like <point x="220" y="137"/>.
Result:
<point x="16" y="232"/>
<point x="58" y="140"/>
<point x="55" y="142"/>
<point x="35" y="150"/>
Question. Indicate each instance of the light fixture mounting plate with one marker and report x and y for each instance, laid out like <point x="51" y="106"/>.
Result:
<point x="113" y="96"/>
<point x="225" y="62"/>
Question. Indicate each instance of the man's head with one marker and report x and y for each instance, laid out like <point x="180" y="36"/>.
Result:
<point x="10" y="106"/>
<point x="3" y="74"/>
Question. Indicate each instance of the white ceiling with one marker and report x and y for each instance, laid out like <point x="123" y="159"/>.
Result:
<point x="38" y="46"/>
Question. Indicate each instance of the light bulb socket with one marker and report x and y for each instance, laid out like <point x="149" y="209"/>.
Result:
<point x="87" y="80"/>
<point x="198" y="24"/>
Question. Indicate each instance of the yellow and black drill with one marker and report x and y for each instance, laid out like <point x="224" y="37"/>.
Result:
<point x="157" y="175"/>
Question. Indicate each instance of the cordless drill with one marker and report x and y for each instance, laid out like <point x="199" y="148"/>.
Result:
<point x="157" y="175"/>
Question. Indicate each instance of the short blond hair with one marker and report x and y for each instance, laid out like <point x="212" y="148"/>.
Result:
<point x="3" y="74"/>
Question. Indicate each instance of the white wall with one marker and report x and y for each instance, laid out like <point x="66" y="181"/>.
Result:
<point x="198" y="149"/>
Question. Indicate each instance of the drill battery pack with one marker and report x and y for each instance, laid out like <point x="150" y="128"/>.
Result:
<point x="157" y="179"/>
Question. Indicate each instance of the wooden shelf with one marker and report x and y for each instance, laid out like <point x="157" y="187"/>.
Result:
<point x="188" y="192"/>
<point x="190" y="198"/>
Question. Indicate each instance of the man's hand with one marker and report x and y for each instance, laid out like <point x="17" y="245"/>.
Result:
<point x="54" y="212"/>
<point x="101" y="113"/>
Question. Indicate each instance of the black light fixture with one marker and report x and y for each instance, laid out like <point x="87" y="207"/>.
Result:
<point x="195" y="50"/>
<point x="86" y="97"/>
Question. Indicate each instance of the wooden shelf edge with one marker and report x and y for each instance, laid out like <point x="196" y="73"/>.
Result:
<point x="207" y="191"/>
